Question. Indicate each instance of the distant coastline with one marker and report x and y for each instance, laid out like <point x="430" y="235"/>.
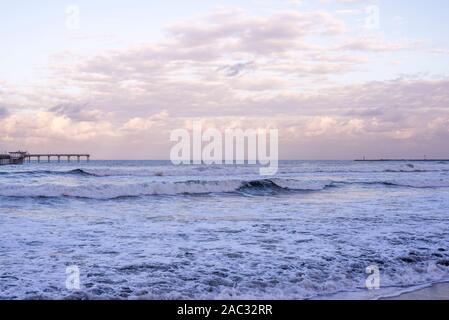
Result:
<point x="401" y="160"/>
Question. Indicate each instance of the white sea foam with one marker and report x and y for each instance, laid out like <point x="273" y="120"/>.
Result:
<point x="116" y="191"/>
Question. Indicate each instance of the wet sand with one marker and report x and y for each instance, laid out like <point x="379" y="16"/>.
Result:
<point x="439" y="291"/>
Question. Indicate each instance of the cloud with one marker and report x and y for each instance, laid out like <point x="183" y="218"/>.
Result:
<point x="78" y="112"/>
<point x="376" y="45"/>
<point x="241" y="32"/>
<point x="390" y="115"/>
<point x="220" y="59"/>
<point x="3" y="112"/>
<point x="44" y="126"/>
<point x="141" y="124"/>
<point x="236" y="69"/>
<point x="228" y="39"/>
<point x="216" y="63"/>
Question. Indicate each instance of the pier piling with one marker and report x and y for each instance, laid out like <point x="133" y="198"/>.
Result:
<point x="58" y="156"/>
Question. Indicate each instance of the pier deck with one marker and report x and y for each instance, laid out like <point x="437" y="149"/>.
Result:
<point x="20" y="157"/>
<point x="57" y="156"/>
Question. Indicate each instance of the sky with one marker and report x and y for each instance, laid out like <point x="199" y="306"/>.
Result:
<point x="339" y="79"/>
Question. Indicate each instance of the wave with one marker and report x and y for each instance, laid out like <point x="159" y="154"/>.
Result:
<point x="78" y="172"/>
<point x="205" y="171"/>
<point x="105" y="172"/>
<point x="243" y="187"/>
<point x="418" y="184"/>
<point x="379" y="171"/>
<point x="253" y="187"/>
<point x="410" y="171"/>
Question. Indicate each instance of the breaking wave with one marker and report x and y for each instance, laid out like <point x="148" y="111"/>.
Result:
<point x="77" y="172"/>
<point x="196" y="187"/>
<point x="110" y="191"/>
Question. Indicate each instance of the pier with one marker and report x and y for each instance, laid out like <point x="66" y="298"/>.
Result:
<point x="57" y="156"/>
<point x="20" y="157"/>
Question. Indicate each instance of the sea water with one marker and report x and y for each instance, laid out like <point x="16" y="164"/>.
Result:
<point x="151" y="230"/>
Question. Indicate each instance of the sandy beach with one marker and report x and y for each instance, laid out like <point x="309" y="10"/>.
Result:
<point x="439" y="291"/>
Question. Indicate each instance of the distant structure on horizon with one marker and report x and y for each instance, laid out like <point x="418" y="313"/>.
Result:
<point x="401" y="160"/>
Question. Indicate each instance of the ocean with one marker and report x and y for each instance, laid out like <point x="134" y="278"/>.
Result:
<point x="151" y="230"/>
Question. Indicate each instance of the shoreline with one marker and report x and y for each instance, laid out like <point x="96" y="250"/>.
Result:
<point x="436" y="291"/>
<point x="432" y="291"/>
